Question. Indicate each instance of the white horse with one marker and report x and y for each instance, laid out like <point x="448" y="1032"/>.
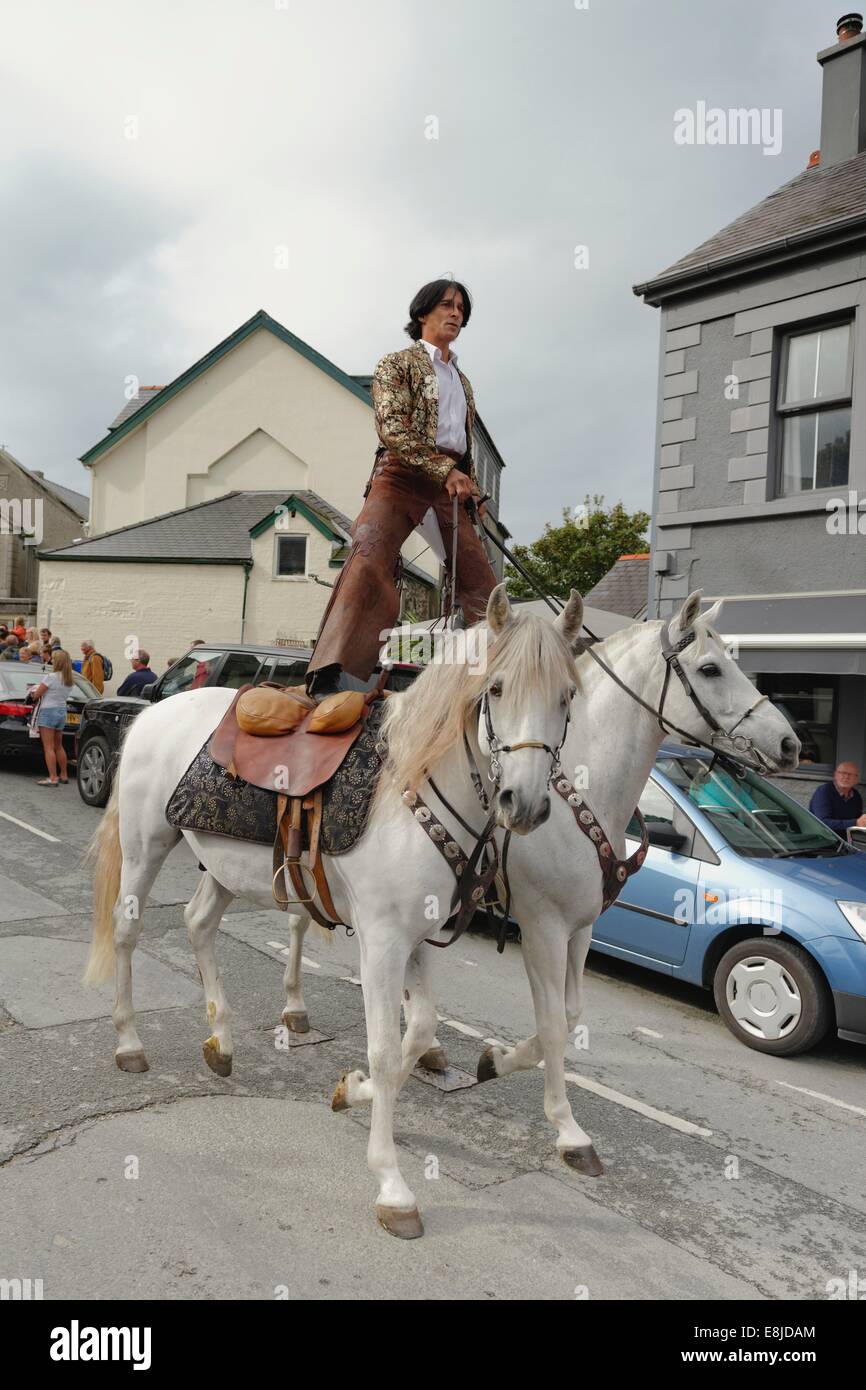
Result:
<point x="383" y="887"/>
<point x="555" y="875"/>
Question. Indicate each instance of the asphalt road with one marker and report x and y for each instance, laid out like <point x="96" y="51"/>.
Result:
<point x="728" y="1174"/>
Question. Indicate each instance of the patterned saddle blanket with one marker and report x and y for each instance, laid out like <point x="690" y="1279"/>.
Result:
<point x="208" y="798"/>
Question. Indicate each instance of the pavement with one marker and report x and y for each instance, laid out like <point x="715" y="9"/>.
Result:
<point x="728" y="1174"/>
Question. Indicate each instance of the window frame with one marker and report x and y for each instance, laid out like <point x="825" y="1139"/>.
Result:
<point x="783" y="412"/>
<point x="291" y="535"/>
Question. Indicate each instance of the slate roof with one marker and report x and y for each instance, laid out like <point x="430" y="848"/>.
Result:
<point x="76" y="500"/>
<point x="214" y="532"/>
<point x="812" y="202"/>
<point x="145" y="394"/>
<point x="624" y="588"/>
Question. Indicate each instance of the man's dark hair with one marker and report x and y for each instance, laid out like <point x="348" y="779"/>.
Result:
<point x="426" y="300"/>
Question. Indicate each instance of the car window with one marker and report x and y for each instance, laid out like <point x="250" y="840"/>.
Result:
<point x="755" y="817"/>
<point x="656" y="808"/>
<point x="283" y="670"/>
<point x="191" y="672"/>
<point x="240" y="668"/>
<point x="83" y="688"/>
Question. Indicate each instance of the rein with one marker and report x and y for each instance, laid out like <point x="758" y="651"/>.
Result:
<point x="742" y="743"/>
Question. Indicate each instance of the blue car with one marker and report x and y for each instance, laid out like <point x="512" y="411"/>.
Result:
<point x="746" y="893"/>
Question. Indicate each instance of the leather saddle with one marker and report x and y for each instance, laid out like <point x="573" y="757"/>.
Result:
<point x="302" y="755"/>
<point x="296" y="748"/>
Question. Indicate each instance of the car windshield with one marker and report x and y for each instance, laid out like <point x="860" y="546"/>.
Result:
<point x="755" y="817"/>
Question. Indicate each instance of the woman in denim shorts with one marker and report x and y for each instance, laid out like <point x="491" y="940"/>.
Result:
<point x="54" y="691"/>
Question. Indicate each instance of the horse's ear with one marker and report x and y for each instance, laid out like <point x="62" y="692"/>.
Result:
<point x="499" y="613"/>
<point x="570" y="620"/>
<point x="685" y="619"/>
<point x="712" y="613"/>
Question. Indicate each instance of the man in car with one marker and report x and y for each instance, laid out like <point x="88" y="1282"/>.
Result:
<point x="140" y="675"/>
<point x="838" y="803"/>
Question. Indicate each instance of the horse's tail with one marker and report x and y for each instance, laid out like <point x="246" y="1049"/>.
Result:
<point x="105" y="853"/>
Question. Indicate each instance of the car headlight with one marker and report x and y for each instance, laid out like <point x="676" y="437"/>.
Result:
<point x="855" y="916"/>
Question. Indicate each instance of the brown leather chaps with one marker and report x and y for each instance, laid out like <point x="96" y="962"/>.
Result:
<point x="365" y="601"/>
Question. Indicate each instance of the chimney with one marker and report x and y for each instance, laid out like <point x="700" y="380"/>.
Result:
<point x="843" y="103"/>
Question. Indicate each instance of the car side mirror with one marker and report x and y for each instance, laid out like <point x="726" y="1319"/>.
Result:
<point x="665" y="837"/>
<point x="146" y="692"/>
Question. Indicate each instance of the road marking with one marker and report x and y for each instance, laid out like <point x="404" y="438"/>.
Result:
<point x="819" y="1095"/>
<point x="32" y="828"/>
<point x="495" y="1042"/>
<point x="629" y="1103"/>
<point x="470" y="962"/>
<point x="460" y="1027"/>
<point x="650" y="1033"/>
<point x="278" y="946"/>
<point x="350" y="979"/>
<point x="313" y="964"/>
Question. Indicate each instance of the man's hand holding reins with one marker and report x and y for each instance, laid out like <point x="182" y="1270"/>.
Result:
<point x="459" y="484"/>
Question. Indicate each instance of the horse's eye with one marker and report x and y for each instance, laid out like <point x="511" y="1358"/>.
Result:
<point x="710" y="670"/>
<point x="496" y="689"/>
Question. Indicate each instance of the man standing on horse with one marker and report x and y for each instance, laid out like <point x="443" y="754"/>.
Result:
<point x="424" y="411"/>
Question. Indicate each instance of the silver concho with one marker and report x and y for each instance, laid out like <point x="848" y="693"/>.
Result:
<point x="621" y="873"/>
<point x="477" y="894"/>
<point x="451" y="849"/>
<point x="437" y="832"/>
<point x="422" y="814"/>
<point x="586" y="817"/>
<point x="574" y="799"/>
<point x="604" y="849"/>
<point x="410" y="797"/>
<point x="595" y="833"/>
<point x="564" y="787"/>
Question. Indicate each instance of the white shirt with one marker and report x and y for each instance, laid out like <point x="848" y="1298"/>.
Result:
<point x="451" y="424"/>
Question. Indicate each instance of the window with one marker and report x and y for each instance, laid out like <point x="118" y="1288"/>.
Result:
<point x="191" y="672"/>
<point x="240" y="669"/>
<point x="283" y="671"/>
<point x="814" y="408"/>
<point x="291" y="557"/>
<point x="656" y="808"/>
<point x="809" y="703"/>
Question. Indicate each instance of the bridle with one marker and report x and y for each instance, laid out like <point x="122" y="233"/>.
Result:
<point x="742" y="743"/>
<point x="670" y="653"/>
<point x="495" y="746"/>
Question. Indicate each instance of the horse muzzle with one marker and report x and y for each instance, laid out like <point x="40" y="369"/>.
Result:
<point x="520" y="815"/>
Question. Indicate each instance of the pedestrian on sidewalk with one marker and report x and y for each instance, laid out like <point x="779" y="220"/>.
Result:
<point x="91" y="667"/>
<point x="53" y="692"/>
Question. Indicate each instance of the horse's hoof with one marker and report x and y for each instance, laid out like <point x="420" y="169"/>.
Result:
<point x="584" y="1160"/>
<point x="216" y="1060"/>
<point x="340" y="1098"/>
<point x="405" y="1225"/>
<point x="132" y="1061"/>
<point x="296" y="1022"/>
<point x="434" y="1059"/>
<point x="486" y="1069"/>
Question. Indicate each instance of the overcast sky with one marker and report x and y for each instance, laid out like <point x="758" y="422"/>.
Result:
<point x="303" y="123"/>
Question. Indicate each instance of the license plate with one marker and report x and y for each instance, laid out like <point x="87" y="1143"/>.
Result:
<point x="73" y="718"/>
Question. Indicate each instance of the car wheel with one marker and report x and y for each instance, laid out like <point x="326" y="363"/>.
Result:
<point x="94" y="771"/>
<point x="772" y="996"/>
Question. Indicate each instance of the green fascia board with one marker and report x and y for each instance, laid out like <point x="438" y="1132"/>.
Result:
<point x="294" y="504"/>
<point x="258" y="320"/>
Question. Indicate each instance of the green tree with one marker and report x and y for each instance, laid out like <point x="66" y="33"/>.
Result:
<point x="576" y="554"/>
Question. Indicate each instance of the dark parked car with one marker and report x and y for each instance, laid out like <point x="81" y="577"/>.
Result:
<point x="17" y="681"/>
<point x="107" y="718"/>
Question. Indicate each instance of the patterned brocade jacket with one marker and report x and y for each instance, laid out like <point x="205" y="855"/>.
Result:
<point x="405" y="395"/>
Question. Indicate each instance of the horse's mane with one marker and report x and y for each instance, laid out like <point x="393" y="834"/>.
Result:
<point x="423" y="723"/>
